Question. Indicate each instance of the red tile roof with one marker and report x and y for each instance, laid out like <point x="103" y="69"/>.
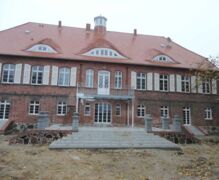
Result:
<point x="71" y="42"/>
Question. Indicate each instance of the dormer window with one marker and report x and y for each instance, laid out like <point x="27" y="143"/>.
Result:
<point x="104" y="52"/>
<point x="42" y="48"/>
<point x="163" y="58"/>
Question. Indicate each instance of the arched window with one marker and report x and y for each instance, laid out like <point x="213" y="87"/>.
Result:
<point x="89" y="78"/>
<point x="42" y="48"/>
<point x="104" y="52"/>
<point x="8" y="73"/>
<point x="64" y="76"/>
<point x="141" y="110"/>
<point x="163" y="58"/>
<point x="37" y="75"/>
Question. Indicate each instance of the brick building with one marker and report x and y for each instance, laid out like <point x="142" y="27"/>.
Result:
<point x="108" y="77"/>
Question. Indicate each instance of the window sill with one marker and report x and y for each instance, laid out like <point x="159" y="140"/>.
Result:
<point x="208" y="119"/>
<point x="33" y="114"/>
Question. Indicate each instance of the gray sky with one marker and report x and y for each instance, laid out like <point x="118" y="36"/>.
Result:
<point x="193" y="24"/>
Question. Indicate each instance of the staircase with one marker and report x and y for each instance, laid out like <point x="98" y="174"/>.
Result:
<point x="194" y="130"/>
<point x="112" y="138"/>
<point x="3" y="125"/>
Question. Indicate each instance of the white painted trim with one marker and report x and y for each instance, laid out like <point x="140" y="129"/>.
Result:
<point x="73" y="78"/>
<point x="26" y="77"/>
<point x="178" y="83"/>
<point x="54" y="80"/>
<point x="156" y="82"/>
<point x="149" y="81"/>
<point x="133" y="79"/>
<point x="17" y="75"/>
<point x="46" y="73"/>
<point x="172" y="83"/>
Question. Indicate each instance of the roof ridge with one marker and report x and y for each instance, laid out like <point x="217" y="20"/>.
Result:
<point x="14" y="27"/>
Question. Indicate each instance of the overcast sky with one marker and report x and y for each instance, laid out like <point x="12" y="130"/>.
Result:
<point x="193" y="24"/>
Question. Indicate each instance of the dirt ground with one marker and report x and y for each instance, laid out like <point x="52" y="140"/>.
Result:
<point x="38" y="162"/>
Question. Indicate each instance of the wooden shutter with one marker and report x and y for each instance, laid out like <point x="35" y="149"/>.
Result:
<point x="17" y="75"/>
<point x="0" y="70"/>
<point x="178" y="83"/>
<point x="46" y="75"/>
<point x="193" y="84"/>
<point x="199" y="82"/>
<point x="54" y="75"/>
<point x="73" y="79"/>
<point x="26" y="77"/>
<point x="133" y="80"/>
<point x="156" y="82"/>
<point x="149" y="82"/>
<point x="172" y="82"/>
<point x="214" y="86"/>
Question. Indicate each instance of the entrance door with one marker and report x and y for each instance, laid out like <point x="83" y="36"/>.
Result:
<point x="103" y="113"/>
<point x="186" y="116"/>
<point x="103" y="82"/>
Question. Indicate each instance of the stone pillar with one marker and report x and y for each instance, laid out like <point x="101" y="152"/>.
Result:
<point x="148" y="123"/>
<point x="75" y="122"/>
<point x="43" y="120"/>
<point x="176" y="123"/>
<point x="165" y="123"/>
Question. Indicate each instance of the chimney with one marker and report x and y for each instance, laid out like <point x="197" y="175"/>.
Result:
<point x="87" y="27"/>
<point x="135" y="32"/>
<point x="60" y="24"/>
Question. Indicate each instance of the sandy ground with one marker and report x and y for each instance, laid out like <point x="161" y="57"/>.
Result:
<point x="38" y="162"/>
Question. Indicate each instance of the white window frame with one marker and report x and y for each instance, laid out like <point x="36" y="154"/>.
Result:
<point x="42" y="48"/>
<point x="185" y="84"/>
<point x="89" y="78"/>
<point x="37" y="71"/>
<point x="187" y="115"/>
<point x="164" y="111"/>
<point x="163" y="58"/>
<point x="208" y="113"/>
<point x="35" y="106"/>
<point x="164" y="82"/>
<point x="141" y="81"/>
<point x="64" y="76"/>
<point x="87" y="109"/>
<point x="141" y="111"/>
<point x="104" y="52"/>
<point x="118" y="80"/>
<point x="61" y="108"/>
<point x="118" y="110"/>
<point x="206" y="86"/>
<point x="8" y="70"/>
<point x="4" y="109"/>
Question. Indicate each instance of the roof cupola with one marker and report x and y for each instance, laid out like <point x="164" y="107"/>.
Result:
<point x="100" y="24"/>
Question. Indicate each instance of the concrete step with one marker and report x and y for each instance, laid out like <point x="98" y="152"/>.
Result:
<point x="93" y="138"/>
<point x="193" y="130"/>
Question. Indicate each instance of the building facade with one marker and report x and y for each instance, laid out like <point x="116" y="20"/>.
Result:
<point x="108" y="77"/>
